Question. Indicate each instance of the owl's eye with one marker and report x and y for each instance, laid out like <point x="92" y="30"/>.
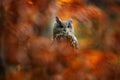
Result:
<point x="61" y="26"/>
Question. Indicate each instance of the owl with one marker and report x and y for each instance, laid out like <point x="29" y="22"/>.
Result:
<point x="64" y="30"/>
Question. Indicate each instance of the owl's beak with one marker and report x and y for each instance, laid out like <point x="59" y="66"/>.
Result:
<point x="66" y="30"/>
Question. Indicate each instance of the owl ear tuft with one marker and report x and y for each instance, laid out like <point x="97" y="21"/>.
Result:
<point x="58" y="20"/>
<point x="70" y="21"/>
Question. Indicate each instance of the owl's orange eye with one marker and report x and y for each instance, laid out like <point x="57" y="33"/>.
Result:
<point x="61" y="26"/>
<point x="68" y="26"/>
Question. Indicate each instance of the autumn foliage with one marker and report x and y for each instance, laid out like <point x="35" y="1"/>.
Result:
<point x="26" y="52"/>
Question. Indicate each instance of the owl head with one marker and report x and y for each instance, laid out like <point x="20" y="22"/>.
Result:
<point x="66" y="26"/>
